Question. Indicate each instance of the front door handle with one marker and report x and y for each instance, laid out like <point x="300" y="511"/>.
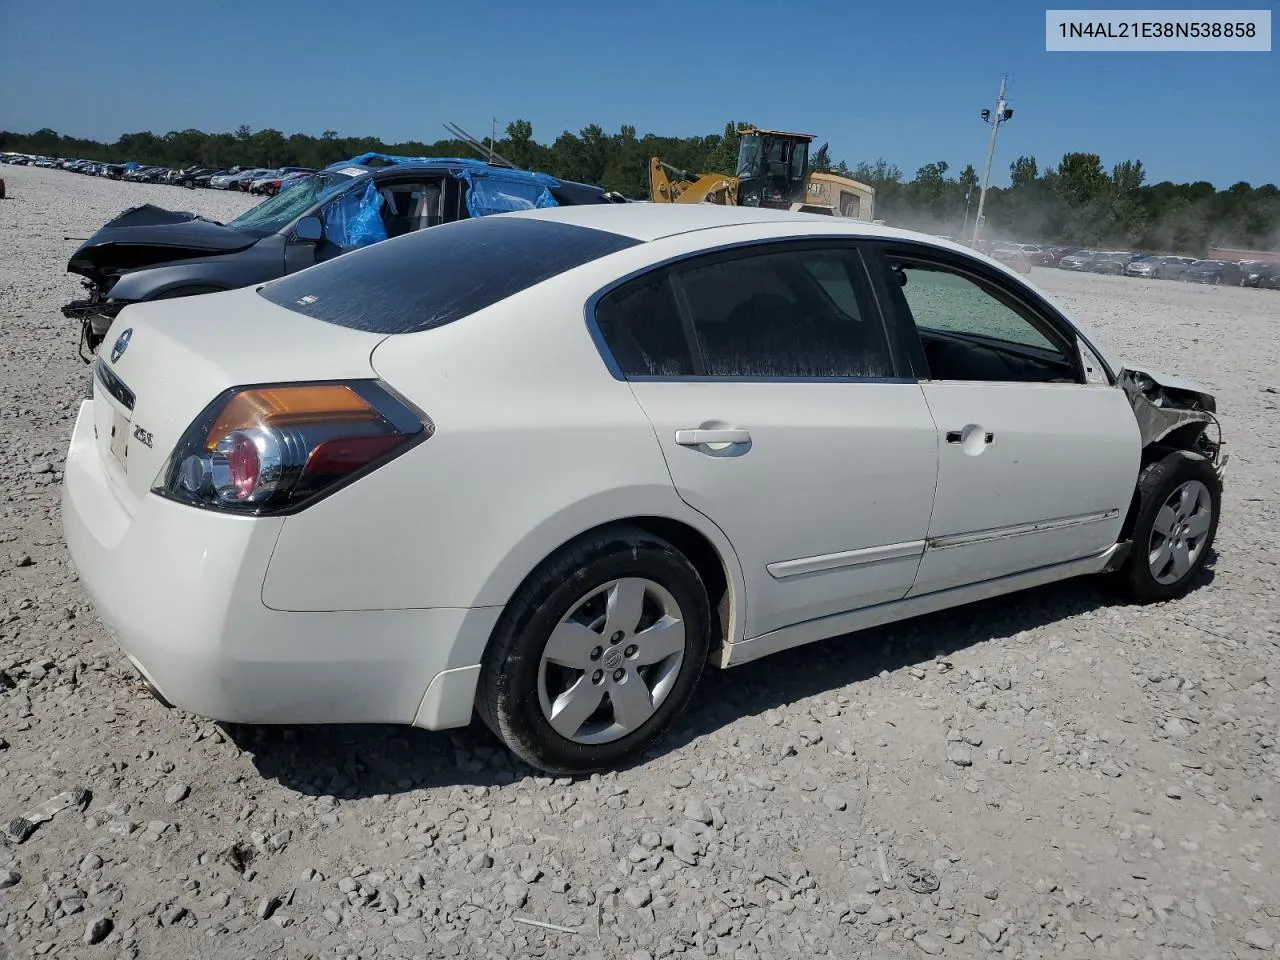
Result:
<point x="694" y="438"/>
<point x="956" y="436"/>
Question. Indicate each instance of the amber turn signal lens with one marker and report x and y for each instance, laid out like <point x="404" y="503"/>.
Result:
<point x="290" y="406"/>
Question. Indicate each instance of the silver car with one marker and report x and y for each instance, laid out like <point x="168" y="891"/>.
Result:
<point x="1143" y="266"/>
<point x="1081" y="261"/>
<point x="1173" y="268"/>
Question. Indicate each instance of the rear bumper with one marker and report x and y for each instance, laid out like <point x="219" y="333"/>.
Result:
<point x="180" y="590"/>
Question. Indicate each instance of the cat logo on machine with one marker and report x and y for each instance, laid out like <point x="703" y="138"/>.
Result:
<point x="142" y="436"/>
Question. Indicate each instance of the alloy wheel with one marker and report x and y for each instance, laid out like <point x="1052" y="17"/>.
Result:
<point x="1178" y="535"/>
<point x="611" y="661"/>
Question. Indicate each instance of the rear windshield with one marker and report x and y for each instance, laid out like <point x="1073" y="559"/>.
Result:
<point x="439" y="274"/>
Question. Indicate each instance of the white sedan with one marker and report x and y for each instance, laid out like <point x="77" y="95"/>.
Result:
<point x="547" y="466"/>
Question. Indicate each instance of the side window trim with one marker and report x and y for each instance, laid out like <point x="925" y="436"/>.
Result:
<point x="1063" y="333"/>
<point x="681" y="296"/>
<point x="902" y="367"/>
<point x="904" y="343"/>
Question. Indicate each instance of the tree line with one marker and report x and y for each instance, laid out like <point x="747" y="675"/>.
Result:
<point x="1077" y="200"/>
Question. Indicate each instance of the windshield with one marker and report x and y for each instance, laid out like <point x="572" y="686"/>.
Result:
<point x="750" y="155"/>
<point x="799" y="160"/>
<point x="287" y="205"/>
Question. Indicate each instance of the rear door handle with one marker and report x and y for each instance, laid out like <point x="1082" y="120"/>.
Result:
<point x="693" y="438"/>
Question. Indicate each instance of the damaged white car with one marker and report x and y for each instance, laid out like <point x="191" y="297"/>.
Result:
<point x="547" y="466"/>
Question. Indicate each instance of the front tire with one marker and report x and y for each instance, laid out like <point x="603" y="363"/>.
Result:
<point x="597" y="653"/>
<point x="1179" y="499"/>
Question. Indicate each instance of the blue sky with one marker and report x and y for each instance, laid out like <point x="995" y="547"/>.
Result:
<point x="903" y="81"/>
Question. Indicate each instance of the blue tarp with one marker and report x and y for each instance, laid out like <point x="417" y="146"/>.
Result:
<point x="354" y="219"/>
<point x="502" y="191"/>
<point x="491" y="189"/>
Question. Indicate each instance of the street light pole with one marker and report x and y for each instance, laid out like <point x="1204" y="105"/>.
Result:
<point x="1002" y="114"/>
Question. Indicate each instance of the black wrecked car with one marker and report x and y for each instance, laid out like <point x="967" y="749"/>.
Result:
<point x="149" y="253"/>
<point x="1214" y="271"/>
<point x="1255" y="273"/>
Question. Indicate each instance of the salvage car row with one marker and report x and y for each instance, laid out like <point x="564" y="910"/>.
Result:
<point x="1244" y="273"/>
<point x="257" y="180"/>
<point x="454" y="439"/>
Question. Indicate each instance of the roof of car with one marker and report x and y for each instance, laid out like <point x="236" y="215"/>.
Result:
<point x="408" y="167"/>
<point x="653" y="221"/>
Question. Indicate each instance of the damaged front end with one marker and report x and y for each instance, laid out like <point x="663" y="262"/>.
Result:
<point x="94" y="313"/>
<point x="140" y="238"/>
<point x="1173" y="413"/>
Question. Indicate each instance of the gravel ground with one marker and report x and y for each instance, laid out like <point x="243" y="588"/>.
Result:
<point x="1050" y="774"/>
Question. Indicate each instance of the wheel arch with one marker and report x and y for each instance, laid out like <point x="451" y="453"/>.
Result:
<point x="152" y="283"/>
<point x="705" y="547"/>
<point x="1185" y="439"/>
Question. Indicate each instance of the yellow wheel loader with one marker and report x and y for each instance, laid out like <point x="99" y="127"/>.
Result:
<point x="773" y="171"/>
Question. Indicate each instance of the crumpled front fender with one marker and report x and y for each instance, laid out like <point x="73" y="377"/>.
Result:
<point x="1174" y="411"/>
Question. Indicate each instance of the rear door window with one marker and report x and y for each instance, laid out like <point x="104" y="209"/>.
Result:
<point x="432" y="277"/>
<point x="781" y="312"/>
<point x="784" y="313"/>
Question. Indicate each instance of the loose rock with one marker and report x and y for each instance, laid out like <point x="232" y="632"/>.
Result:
<point x="960" y="756"/>
<point x="176" y="793"/>
<point x="1259" y="939"/>
<point x="97" y="930"/>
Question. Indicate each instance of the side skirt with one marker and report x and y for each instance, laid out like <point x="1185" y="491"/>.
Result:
<point x="744" y="651"/>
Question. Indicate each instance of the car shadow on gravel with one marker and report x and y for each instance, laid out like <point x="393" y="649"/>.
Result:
<point x="361" y="761"/>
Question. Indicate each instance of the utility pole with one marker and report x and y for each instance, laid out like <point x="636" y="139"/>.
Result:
<point x="965" y="229"/>
<point x="1002" y="114"/>
<point x="493" y="138"/>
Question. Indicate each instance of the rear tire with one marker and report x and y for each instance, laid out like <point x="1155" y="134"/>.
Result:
<point x="597" y="653"/>
<point x="1178" y="502"/>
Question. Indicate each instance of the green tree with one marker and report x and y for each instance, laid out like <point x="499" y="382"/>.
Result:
<point x="1077" y="201"/>
<point x="1023" y="172"/>
<point x="1080" y="178"/>
<point x="723" y="157"/>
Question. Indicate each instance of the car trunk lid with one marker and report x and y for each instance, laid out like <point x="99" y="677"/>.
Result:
<point x="162" y="363"/>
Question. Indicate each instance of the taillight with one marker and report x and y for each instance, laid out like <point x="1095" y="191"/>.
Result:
<point x="274" y="449"/>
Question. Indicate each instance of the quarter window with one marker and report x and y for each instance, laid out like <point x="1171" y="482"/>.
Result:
<point x="641" y="324"/>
